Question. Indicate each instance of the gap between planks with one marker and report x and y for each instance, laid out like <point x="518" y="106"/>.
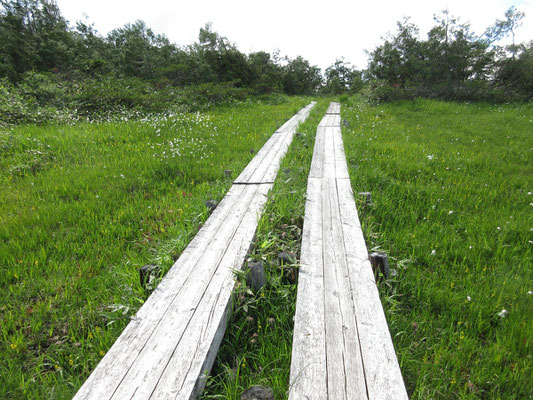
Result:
<point x="342" y="347"/>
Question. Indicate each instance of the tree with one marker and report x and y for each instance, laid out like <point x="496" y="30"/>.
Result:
<point x="502" y="28"/>
<point x="342" y="78"/>
<point x="138" y="51"/>
<point x="452" y="63"/>
<point x="266" y="74"/>
<point x="399" y="60"/>
<point x="34" y="36"/>
<point x="515" y="75"/>
<point x="300" y="77"/>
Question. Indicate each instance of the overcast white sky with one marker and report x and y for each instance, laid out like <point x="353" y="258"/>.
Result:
<point x="318" y="31"/>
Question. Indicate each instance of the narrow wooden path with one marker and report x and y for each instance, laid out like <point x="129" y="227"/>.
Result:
<point x="168" y="348"/>
<point x="342" y="347"/>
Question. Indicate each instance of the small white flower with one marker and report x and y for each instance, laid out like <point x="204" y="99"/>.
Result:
<point x="469" y="298"/>
<point x="503" y="313"/>
<point x="498" y="228"/>
<point x="433" y="252"/>
<point x="430" y="157"/>
<point x="450" y="212"/>
<point x="530" y="293"/>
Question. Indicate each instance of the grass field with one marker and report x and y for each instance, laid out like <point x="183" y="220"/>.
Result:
<point x="82" y="207"/>
<point x="453" y="207"/>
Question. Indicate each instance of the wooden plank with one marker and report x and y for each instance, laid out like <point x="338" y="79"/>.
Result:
<point x="360" y="362"/>
<point x="186" y="365"/>
<point x="383" y="375"/>
<point x="341" y="167"/>
<point x="264" y="167"/>
<point x="273" y="157"/>
<point x="272" y="170"/>
<point x="107" y="376"/>
<point x="331" y="108"/>
<point x="328" y="161"/>
<point x="308" y="378"/>
<point x="317" y="162"/>
<point x="143" y="375"/>
<point x="262" y="154"/>
<point x="344" y="364"/>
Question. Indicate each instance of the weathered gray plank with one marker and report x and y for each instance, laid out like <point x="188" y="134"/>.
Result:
<point x="341" y="167"/>
<point x="142" y="377"/>
<point x="264" y="167"/>
<point x="187" y="362"/>
<point x="345" y="368"/>
<point x="382" y="371"/>
<point x="109" y="373"/>
<point x="260" y="157"/>
<point x="328" y="162"/>
<point x="339" y="316"/>
<point x="317" y="162"/>
<point x="308" y="377"/>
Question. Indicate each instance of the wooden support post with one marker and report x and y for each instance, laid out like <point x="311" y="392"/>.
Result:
<point x="367" y="196"/>
<point x="256" y="277"/>
<point x="211" y="205"/>
<point x="145" y="273"/>
<point x="258" y="393"/>
<point x="380" y="264"/>
<point x="286" y="258"/>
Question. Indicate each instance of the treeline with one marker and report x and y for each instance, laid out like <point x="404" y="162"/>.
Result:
<point x="47" y="66"/>
<point x="453" y="63"/>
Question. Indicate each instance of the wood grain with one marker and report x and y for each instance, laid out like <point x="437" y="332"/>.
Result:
<point x="342" y="347"/>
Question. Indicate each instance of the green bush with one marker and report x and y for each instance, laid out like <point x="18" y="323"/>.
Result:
<point x="17" y="107"/>
<point x="110" y="94"/>
<point x="46" y="89"/>
<point x="209" y="94"/>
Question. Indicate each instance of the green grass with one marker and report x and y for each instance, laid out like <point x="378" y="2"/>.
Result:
<point x="256" y="349"/>
<point x="82" y="207"/>
<point x="453" y="207"/>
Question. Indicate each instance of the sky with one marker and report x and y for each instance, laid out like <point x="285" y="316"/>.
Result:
<point x="321" y="32"/>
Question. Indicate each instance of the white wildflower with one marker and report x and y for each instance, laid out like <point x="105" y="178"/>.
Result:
<point x="503" y="313"/>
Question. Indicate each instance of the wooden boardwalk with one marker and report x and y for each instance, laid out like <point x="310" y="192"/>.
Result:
<point x="168" y="348"/>
<point x="342" y="347"/>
